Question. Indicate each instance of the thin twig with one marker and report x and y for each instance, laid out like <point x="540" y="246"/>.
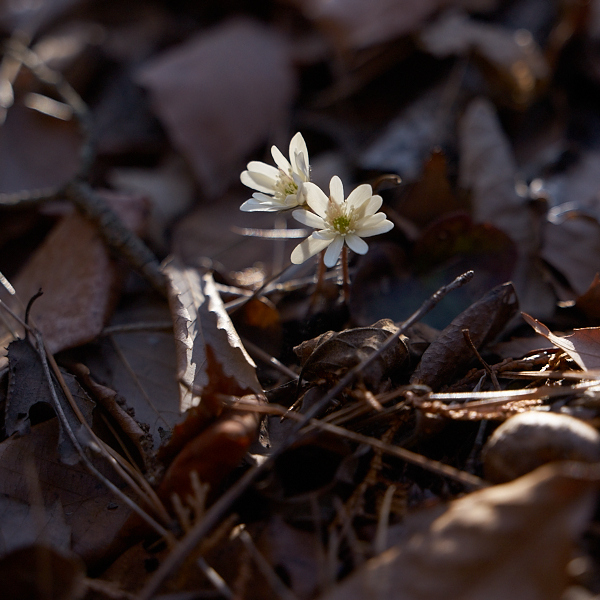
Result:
<point x="467" y="335"/>
<point x="224" y="503"/>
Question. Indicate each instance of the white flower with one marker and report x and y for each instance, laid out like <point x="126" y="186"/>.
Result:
<point x="339" y="221"/>
<point x="282" y="187"/>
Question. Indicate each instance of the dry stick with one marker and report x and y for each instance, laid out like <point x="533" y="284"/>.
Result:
<point x="467" y="335"/>
<point x="267" y="358"/>
<point x="224" y="503"/>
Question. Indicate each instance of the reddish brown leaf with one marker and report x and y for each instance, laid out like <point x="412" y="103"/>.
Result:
<point x="78" y="276"/>
<point x="212" y="454"/>
<point x="583" y="345"/>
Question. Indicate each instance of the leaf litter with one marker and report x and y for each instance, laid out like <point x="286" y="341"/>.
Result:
<point x="227" y="425"/>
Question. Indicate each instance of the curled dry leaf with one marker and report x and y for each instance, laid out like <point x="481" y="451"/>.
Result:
<point x="508" y="541"/>
<point x="449" y="353"/>
<point x="220" y="95"/>
<point x="332" y="354"/>
<point x="583" y="345"/>
<point x="28" y="386"/>
<point x="211" y="358"/>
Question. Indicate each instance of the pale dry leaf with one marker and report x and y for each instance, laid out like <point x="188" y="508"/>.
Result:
<point x="507" y="541"/>
<point x="210" y="355"/>
<point x="78" y="276"/>
<point x="583" y="345"/>
<point x="487" y="168"/>
<point x="220" y="95"/>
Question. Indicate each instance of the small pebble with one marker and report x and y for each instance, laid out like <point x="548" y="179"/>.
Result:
<point x="531" y="439"/>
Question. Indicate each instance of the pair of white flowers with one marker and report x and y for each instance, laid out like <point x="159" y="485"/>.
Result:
<point x="338" y="220"/>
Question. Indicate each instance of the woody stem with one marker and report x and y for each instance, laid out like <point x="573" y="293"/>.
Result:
<point x="345" y="274"/>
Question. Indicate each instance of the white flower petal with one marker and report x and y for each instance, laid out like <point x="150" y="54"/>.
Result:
<point x="370" y="221"/>
<point x="359" y="195"/>
<point x="280" y="160"/>
<point x="376" y="229"/>
<point x="356" y="244"/>
<point x="333" y="251"/>
<point x="261" y="167"/>
<point x="336" y="190"/>
<point x="373" y="205"/>
<point x="256" y="204"/>
<point x="325" y="234"/>
<point x="316" y="199"/>
<point x="309" y="247"/>
<point x="258" y="181"/>
<point x="299" y="156"/>
<point x="308" y="218"/>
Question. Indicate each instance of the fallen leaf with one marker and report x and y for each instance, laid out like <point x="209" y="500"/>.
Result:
<point x="23" y="525"/>
<point x="589" y="301"/>
<point x="449" y="353"/>
<point x="213" y="453"/>
<point x="210" y="355"/>
<point x="583" y="345"/>
<point x="90" y="510"/>
<point x="487" y="168"/>
<point x="354" y="24"/>
<point x="78" y="276"/>
<point x="220" y="95"/>
<point x="41" y="572"/>
<point x="140" y="365"/>
<point x="36" y="151"/>
<point x="28" y="386"/>
<point x="508" y="541"/>
<point x="332" y="354"/>
<point x="514" y="64"/>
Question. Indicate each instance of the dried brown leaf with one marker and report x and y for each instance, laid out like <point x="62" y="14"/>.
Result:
<point x="507" y="541"/>
<point x="589" y="301"/>
<point x="356" y="24"/>
<point x="220" y="95"/>
<point x="41" y="572"/>
<point x="90" y="510"/>
<point x="78" y="276"/>
<point x="449" y="353"/>
<point x="210" y="355"/>
<point x="515" y="65"/>
<point x="333" y="353"/>
<point x="488" y="169"/>
<point x="28" y="386"/>
<point x="583" y="345"/>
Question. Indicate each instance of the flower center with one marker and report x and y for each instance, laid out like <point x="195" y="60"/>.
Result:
<point x="341" y="224"/>
<point x="286" y="186"/>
